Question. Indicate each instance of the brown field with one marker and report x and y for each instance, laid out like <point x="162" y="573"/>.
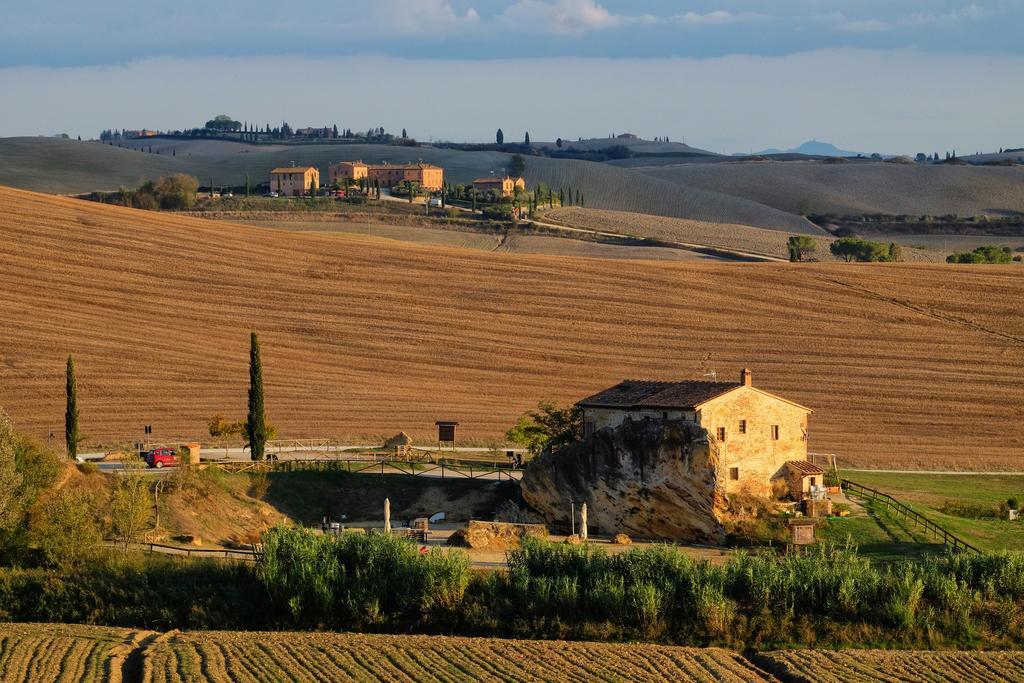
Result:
<point x="520" y="244"/>
<point x="856" y="666"/>
<point x="906" y="365"/>
<point x="301" y="657"/>
<point x="61" y="653"/>
<point x="721" y="236"/>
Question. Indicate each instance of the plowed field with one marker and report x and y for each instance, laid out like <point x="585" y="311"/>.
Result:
<point x="230" y="657"/>
<point x="61" y="653"/>
<point x="906" y="365"/>
<point x="866" y="666"/>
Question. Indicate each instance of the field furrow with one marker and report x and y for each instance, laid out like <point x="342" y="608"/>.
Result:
<point x="908" y="364"/>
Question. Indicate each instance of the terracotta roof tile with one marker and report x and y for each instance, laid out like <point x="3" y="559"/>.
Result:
<point x="651" y="394"/>
<point x="804" y="467"/>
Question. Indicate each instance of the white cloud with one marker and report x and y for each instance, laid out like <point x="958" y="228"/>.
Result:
<point x="561" y="16"/>
<point x="582" y="16"/>
<point x="863" y="26"/>
<point x="968" y="13"/>
<point x="714" y="18"/>
<point x="414" y="17"/>
<point x="961" y="15"/>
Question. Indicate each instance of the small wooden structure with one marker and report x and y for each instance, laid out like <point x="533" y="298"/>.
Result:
<point x="446" y="433"/>
<point x="191" y="451"/>
<point x="801" y="531"/>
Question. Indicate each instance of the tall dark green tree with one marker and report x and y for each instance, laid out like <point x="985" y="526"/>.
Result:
<point x="71" y="411"/>
<point x="256" y="424"/>
<point x="526" y="139"/>
<point x="499" y="137"/>
<point x="517" y="165"/>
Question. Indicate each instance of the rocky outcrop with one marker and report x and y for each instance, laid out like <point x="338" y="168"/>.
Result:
<point x="494" y="535"/>
<point x="647" y="478"/>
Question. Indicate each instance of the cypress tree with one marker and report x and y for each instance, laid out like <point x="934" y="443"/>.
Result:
<point x="71" y="412"/>
<point x="256" y="425"/>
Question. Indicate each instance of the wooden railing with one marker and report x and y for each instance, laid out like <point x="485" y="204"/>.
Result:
<point x="442" y="470"/>
<point x="898" y="508"/>
<point x="190" y="553"/>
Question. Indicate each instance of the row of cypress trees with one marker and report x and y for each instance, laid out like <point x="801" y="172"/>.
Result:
<point x="256" y="425"/>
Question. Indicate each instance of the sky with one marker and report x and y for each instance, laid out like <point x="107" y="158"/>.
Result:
<point x="893" y="76"/>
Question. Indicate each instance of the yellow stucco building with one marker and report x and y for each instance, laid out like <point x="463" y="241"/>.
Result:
<point x="427" y="176"/>
<point x="294" y="181"/>
<point x="501" y="187"/>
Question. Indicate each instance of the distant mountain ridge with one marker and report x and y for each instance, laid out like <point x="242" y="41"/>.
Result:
<point x="815" y="148"/>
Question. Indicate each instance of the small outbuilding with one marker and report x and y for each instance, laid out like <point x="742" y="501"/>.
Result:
<point x="801" y="476"/>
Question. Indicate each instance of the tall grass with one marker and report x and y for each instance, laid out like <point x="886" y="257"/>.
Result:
<point x="827" y="595"/>
<point x="358" y="581"/>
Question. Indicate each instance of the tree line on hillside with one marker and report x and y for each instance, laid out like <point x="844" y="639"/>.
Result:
<point x="225" y="127"/>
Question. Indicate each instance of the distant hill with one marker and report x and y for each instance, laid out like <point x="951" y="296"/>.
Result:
<point x="72" y="167"/>
<point x="814" y="148"/>
<point x="634" y="144"/>
<point x="859" y="187"/>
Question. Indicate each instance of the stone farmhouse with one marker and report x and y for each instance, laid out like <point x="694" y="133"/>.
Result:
<point x="759" y="437"/>
<point x="294" y="181"/>
<point x="501" y="187"/>
<point x="427" y="176"/>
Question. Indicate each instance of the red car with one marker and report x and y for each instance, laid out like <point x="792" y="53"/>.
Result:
<point x="161" y="457"/>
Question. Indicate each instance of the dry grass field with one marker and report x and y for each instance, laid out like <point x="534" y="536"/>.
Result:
<point x="906" y="365"/>
<point x="858" y="187"/>
<point x="520" y="244"/>
<point x="730" y="237"/>
<point x="60" y="653"/>
<point x="865" y="666"/>
<point x="302" y="657"/>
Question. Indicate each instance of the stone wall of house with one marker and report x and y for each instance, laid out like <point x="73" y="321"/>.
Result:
<point x="752" y="459"/>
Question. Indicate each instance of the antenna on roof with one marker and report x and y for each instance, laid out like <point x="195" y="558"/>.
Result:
<point x="712" y="374"/>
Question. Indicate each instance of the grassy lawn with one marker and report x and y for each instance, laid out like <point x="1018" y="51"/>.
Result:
<point x="927" y="493"/>
<point x="880" y="535"/>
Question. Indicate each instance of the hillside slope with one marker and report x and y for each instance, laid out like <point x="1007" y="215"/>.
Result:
<point x="905" y="365"/>
<point x="72" y="167"/>
<point x="858" y="187"/>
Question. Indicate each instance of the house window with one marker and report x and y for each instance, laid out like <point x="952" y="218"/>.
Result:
<point x="734" y="474"/>
<point x="814" y="481"/>
<point x="775" y="432"/>
<point x="743" y="426"/>
<point x="721" y="434"/>
<point x="664" y="415"/>
<point x="588" y="427"/>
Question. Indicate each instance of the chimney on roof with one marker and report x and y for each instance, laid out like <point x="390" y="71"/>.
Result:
<point x="746" y="377"/>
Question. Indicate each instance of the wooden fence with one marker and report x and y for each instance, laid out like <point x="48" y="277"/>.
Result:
<point x="190" y="553"/>
<point x="441" y="470"/>
<point x="898" y="508"/>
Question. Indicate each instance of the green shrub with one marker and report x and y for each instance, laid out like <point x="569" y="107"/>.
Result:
<point x="856" y="249"/>
<point x="987" y="254"/>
